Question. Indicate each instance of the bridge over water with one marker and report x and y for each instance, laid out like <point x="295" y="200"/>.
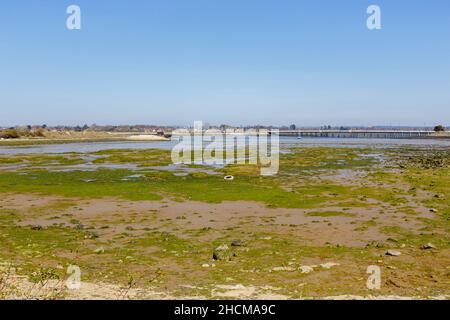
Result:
<point x="386" y="134"/>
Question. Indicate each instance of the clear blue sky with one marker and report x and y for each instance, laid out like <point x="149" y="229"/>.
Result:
<point x="225" y="61"/>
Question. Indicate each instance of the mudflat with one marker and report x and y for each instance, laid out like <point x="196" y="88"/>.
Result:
<point x="139" y="227"/>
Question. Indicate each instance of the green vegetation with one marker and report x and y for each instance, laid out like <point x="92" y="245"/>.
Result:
<point x="153" y="185"/>
<point x="367" y="204"/>
<point x="439" y="128"/>
<point x="42" y="160"/>
<point x="143" y="158"/>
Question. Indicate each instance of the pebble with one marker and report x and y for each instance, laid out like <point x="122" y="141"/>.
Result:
<point x="222" y="252"/>
<point x="393" y="253"/>
<point x="428" y="246"/>
<point x="283" y="269"/>
<point x="306" y="269"/>
<point x="329" y="265"/>
<point x="99" y="250"/>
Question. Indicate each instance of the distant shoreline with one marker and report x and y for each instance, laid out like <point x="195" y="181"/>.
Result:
<point x="144" y="138"/>
<point x="43" y="141"/>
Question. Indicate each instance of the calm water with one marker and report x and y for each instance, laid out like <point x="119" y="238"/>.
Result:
<point x="285" y="143"/>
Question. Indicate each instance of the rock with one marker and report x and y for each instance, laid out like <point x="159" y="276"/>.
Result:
<point x="306" y="269"/>
<point x="428" y="246"/>
<point x="36" y="227"/>
<point x="222" y="252"/>
<point x="99" y="250"/>
<point x="393" y="253"/>
<point x="238" y="243"/>
<point x="91" y="235"/>
<point x="205" y="265"/>
<point x="284" y="269"/>
<point x="329" y="265"/>
<point x="79" y="226"/>
<point x="433" y="210"/>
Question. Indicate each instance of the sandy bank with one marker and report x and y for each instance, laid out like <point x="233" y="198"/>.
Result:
<point x="147" y="137"/>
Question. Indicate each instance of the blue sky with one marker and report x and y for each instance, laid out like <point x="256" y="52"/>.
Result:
<point x="225" y="61"/>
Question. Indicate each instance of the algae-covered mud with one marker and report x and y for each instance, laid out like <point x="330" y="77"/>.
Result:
<point x="138" y="226"/>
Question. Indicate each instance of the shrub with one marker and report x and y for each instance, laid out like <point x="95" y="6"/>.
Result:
<point x="9" y="134"/>
<point x="38" y="133"/>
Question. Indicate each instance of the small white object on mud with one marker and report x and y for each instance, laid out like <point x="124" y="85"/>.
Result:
<point x="99" y="250"/>
<point x="306" y="269"/>
<point x="428" y="246"/>
<point x="329" y="265"/>
<point x="290" y="269"/>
